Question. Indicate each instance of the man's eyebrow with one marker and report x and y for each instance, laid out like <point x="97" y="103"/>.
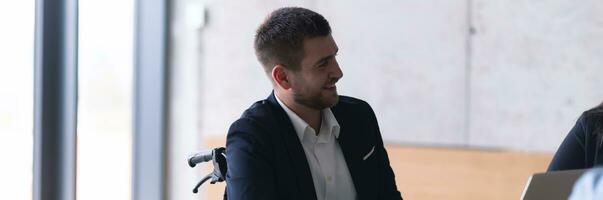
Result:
<point x="327" y="57"/>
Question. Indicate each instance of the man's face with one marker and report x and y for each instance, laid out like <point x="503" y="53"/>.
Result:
<point x="313" y="85"/>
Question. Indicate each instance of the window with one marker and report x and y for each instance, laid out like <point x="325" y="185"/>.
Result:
<point x="16" y="98"/>
<point x="105" y="99"/>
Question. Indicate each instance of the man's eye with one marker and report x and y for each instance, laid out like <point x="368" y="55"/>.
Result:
<point x="323" y="64"/>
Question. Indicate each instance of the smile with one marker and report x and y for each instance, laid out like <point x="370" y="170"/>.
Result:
<point x="331" y="87"/>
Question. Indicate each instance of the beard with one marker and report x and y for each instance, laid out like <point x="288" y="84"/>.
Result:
<point x="315" y="100"/>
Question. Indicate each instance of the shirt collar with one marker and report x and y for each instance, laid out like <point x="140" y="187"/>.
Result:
<point x="300" y="126"/>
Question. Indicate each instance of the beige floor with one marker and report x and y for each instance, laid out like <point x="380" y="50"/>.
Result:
<point x="446" y="173"/>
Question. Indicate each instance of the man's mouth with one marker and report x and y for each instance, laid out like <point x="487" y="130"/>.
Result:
<point x="331" y="87"/>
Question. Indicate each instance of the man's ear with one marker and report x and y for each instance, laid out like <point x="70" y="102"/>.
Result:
<point x="280" y="78"/>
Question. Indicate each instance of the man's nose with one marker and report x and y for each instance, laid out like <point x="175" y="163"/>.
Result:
<point x="337" y="73"/>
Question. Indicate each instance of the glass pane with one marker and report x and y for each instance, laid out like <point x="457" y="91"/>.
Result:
<point x="16" y="98"/>
<point x="105" y="93"/>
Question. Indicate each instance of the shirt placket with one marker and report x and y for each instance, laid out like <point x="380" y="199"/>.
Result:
<point x="311" y="140"/>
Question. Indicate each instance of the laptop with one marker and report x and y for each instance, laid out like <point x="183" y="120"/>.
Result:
<point x="551" y="185"/>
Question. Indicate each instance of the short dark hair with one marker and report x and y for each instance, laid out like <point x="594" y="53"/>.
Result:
<point x="280" y="38"/>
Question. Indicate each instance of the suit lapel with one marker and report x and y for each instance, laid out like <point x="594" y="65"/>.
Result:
<point x="348" y="141"/>
<point x="294" y="149"/>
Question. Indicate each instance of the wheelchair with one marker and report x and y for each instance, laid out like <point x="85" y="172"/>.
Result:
<point x="218" y="158"/>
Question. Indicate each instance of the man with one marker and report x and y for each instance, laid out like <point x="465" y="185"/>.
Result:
<point x="305" y="141"/>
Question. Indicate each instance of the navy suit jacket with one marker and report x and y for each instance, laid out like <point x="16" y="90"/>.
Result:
<point x="266" y="159"/>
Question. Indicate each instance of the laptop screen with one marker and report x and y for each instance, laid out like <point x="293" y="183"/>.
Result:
<point x="551" y="185"/>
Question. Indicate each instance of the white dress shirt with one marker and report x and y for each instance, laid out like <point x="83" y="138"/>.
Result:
<point x="332" y="179"/>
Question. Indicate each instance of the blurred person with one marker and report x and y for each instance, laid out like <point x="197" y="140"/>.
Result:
<point x="305" y="141"/>
<point x="583" y="146"/>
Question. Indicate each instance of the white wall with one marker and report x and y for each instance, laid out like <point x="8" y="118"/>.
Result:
<point x="536" y="65"/>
